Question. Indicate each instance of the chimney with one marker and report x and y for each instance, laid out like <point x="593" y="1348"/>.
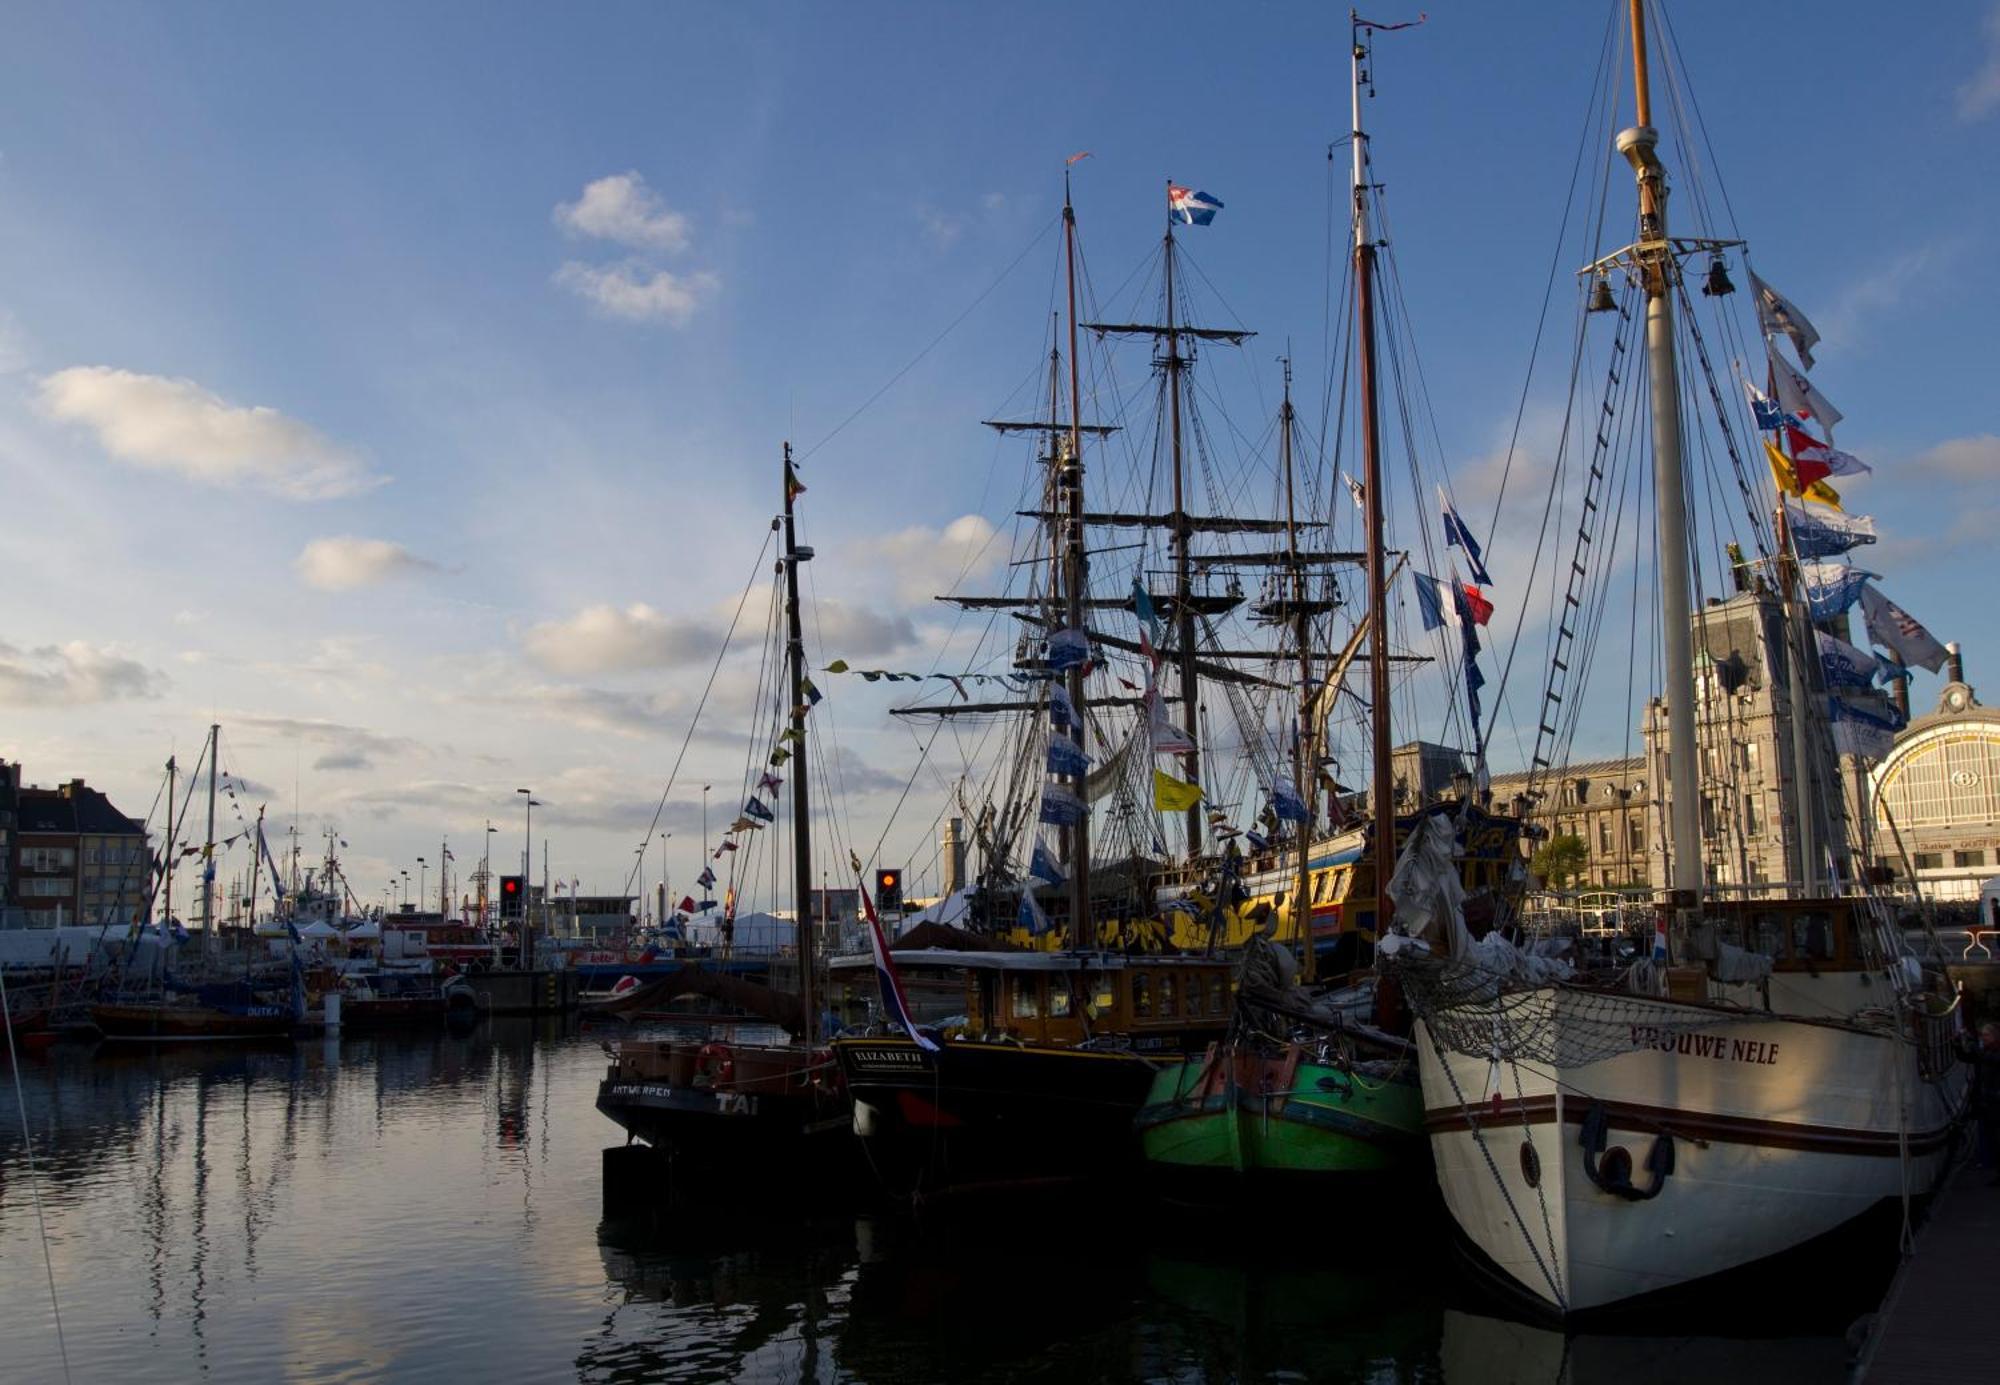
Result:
<point x="1899" y="693"/>
<point x="1954" y="663"/>
<point x="952" y="846"/>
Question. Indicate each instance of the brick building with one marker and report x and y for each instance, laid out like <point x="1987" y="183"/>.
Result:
<point x="73" y="858"/>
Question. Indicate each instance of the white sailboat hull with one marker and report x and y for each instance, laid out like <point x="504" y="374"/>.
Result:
<point x="1781" y="1131"/>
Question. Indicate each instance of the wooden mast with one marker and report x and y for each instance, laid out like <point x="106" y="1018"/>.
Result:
<point x="1076" y="574"/>
<point x="167" y="856"/>
<point x="1183" y="580"/>
<point x="1382" y="792"/>
<point x="795" y="649"/>
<point x="208" y="941"/>
<point x="1302" y="635"/>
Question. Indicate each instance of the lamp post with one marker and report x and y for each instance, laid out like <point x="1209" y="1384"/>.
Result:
<point x="422" y="871"/>
<point x="486" y="873"/>
<point x="666" y="884"/>
<point x="527" y="873"/>
<point x="405" y="898"/>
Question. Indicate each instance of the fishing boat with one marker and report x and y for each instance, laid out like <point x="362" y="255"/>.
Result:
<point x="1780" y="1075"/>
<point x="1317" y="1078"/>
<point x="210" y="1011"/>
<point x="720" y="1114"/>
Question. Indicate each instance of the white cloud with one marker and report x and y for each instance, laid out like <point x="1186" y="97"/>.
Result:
<point x="1979" y="94"/>
<point x="606" y="639"/>
<point x="71" y="674"/>
<point x="943" y="228"/>
<point x="856" y="630"/>
<point x="343" y="562"/>
<point x="634" y="292"/>
<point x="176" y="426"/>
<point x="13" y="345"/>
<point x="623" y="209"/>
<point x="346" y="747"/>
<point x="930" y="562"/>
<point x="1845" y="321"/>
<point x="1976" y="458"/>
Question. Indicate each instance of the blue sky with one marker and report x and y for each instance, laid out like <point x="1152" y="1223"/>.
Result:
<point x="353" y="219"/>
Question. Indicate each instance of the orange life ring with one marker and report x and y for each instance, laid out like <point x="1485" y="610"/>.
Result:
<point x="717" y="1063"/>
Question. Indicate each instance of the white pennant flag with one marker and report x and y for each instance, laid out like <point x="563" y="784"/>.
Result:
<point x="1168" y="739"/>
<point x="1899" y="632"/>
<point x="1796" y="392"/>
<point x="1358" y="491"/>
<point x="1778" y="317"/>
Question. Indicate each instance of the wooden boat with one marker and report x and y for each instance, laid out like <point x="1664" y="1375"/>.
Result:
<point x="174" y="1021"/>
<point x="1039" y="1075"/>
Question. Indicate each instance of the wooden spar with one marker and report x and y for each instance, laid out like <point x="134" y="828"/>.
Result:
<point x="795" y="650"/>
<point x="1382" y="803"/>
<point x="208" y="940"/>
<point x="1183" y="581"/>
<point x="1076" y="568"/>
<point x="1301" y="738"/>
<point x="167" y="857"/>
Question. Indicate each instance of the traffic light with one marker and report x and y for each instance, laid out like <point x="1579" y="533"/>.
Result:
<point x="889" y="890"/>
<point x="510" y="896"/>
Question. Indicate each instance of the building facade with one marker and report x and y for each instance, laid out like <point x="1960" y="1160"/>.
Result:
<point x="75" y="859"/>
<point x="1935" y="798"/>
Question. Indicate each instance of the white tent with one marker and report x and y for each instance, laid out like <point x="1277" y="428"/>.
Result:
<point x="761" y="933"/>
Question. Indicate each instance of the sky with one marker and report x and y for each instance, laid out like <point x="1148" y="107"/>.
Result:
<point x="403" y="388"/>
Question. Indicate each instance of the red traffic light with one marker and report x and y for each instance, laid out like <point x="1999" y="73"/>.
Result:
<point x="510" y="884"/>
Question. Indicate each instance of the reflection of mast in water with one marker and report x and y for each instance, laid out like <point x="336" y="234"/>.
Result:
<point x="198" y="1255"/>
<point x="155" y="1220"/>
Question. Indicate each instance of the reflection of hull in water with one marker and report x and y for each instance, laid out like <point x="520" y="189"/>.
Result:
<point x="166" y="1023"/>
<point x="1476" y="1347"/>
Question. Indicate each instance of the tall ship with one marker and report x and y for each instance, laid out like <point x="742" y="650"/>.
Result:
<point x="1775" y="1072"/>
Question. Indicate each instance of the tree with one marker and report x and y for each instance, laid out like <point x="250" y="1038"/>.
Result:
<point x="1560" y="859"/>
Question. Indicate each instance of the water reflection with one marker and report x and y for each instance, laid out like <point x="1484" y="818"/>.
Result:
<point x="426" y="1208"/>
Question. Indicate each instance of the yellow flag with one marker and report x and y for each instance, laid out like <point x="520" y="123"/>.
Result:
<point x="1171" y="795"/>
<point x="1787" y="480"/>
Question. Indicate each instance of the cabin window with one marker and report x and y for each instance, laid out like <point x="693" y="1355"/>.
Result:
<point x="1026" y="1002"/>
<point x="1167" y="1007"/>
<point x="1812" y="937"/>
<point x="1061" y="999"/>
<point x="1215" y="995"/>
<point x="1142" y="996"/>
<point x="1767" y="935"/>
<point x="1103" y="996"/>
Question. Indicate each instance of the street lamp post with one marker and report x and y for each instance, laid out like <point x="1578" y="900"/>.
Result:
<point x="666" y="883"/>
<point x="527" y="874"/>
<point x="422" y="872"/>
<point x="405" y="901"/>
<point x="486" y="874"/>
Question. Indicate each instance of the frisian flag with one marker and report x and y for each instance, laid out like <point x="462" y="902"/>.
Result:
<point x="893" y="1000"/>
<point x="1189" y="207"/>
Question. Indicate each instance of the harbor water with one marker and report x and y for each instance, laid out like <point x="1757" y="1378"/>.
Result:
<point x="427" y="1208"/>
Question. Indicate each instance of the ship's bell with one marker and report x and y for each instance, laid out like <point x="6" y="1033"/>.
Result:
<point x="1600" y="296"/>
<point x="1718" y="279"/>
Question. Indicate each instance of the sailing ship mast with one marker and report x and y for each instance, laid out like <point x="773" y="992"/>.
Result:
<point x="1658" y="275"/>
<point x="208" y="943"/>
<point x="1382" y="784"/>
<point x="1076" y="576"/>
<point x="1301" y="738"/>
<point x="795" y="650"/>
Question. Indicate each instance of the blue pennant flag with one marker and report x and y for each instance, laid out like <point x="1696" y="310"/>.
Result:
<point x="1832" y="588"/>
<point x="1031" y="916"/>
<point x="1458" y="536"/>
<point x="1067" y="757"/>
<point x="1191" y="208"/>
<point x="1068" y="648"/>
<point x="1062" y="711"/>
<point x="1043" y="866"/>
<point x="1060" y="806"/>
<point x="755" y="809"/>
<point x="1286" y="803"/>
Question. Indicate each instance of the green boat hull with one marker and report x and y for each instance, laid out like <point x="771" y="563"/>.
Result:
<point x="1323" y="1121"/>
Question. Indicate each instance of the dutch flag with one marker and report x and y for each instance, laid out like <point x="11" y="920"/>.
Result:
<point x="893" y="1000"/>
<point x="1191" y="208"/>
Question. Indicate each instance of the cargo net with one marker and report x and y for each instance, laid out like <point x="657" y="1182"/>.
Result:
<point x="1472" y="1010"/>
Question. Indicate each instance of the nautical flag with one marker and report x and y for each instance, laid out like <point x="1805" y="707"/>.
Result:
<point x="1864" y="725"/>
<point x="1457" y="535"/>
<point x="894" y="1005"/>
<point x="181" y="934"/>
<point x="1895" y="629"/>
<point x="1191" y="208"/>
<point x="1778" y="317"/>
<point x="1843" y="664"/>
<point x="1257" y="840"/>
<point x="1149" y="619"/>
<point x="1067" y="757"/>
<point x="745" y="824"/>
<point x="1062" y="711"/>
<point x="811" y="694"/>
<point x="1286" y="802"/>
<point x="1171" y="795"/>
<point x="1770" y="418"/>
<point x="1832" y="588"/>
<point x="1798" y="394"/>
<point x="1068" y="648"/>
<point x="1436" y="603"/>
<point x="779" y="756"/>
<point x="1889" y="669"/>
<point x="837" y="666"/>
<point x="1060" y="806"/>
<point x="1358" y="491"/>
<point x="707" y="878"/>
<point x="729" y="903"/>
<point x="769" y="781"/>
<point x="1168" y="738"/>
<point x="1791" y="482"/>
<point x="1660" y="936"/>
<point x="1473" y="604"/>
<point x="1808" y="453"/>
<point x="794" y="487"/>
<point x="755" y="808"/>
<point x="1824" y="535"/>
<point x="1030" y="915"/>
<point x="686" y="906"/>
<point x="1042" y="866"/>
